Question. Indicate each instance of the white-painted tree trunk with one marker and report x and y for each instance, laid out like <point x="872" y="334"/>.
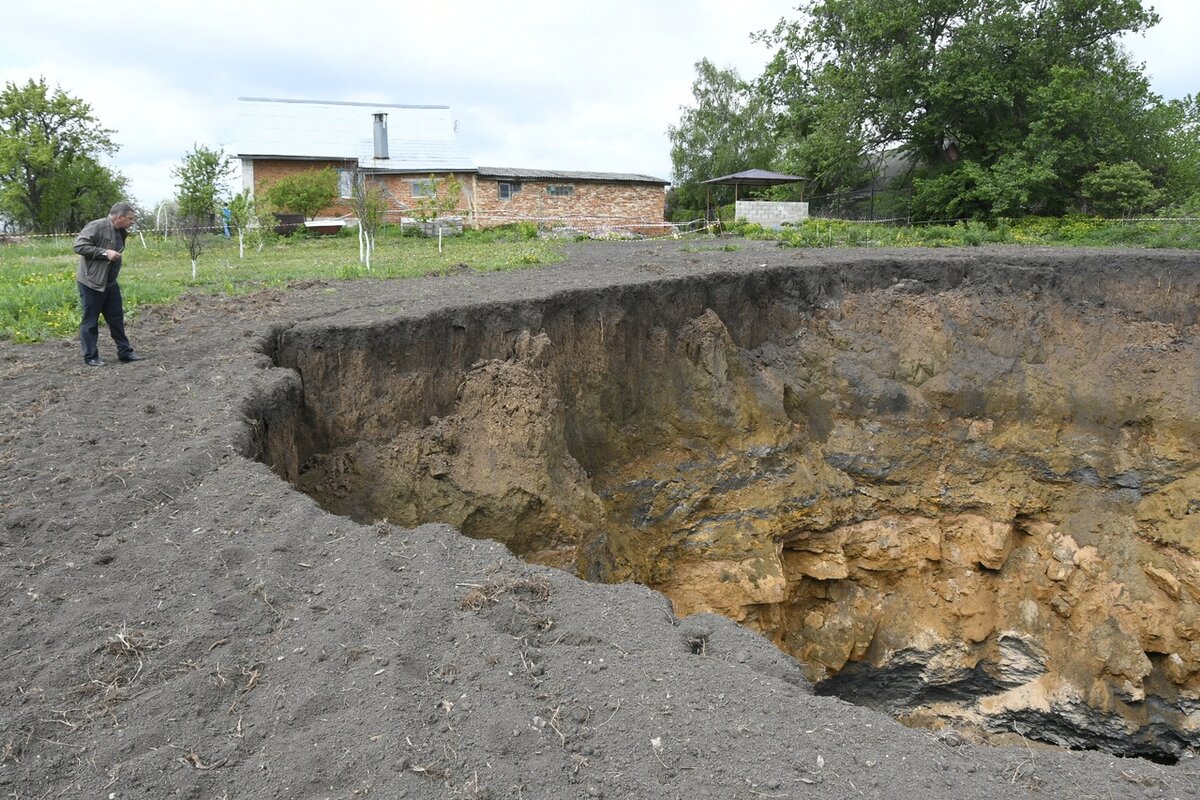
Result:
<point x="193" y="269"/>
<point x="241" y="244"/>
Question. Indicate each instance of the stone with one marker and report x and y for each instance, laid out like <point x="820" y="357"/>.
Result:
<point x="1164" y="580"/>
<point x="1176" y="669"/>
<point x="1058" y="571"/>
<point x="971" y="539"/>
<point x="800" y="564"/>
<point x="726" y="587"/>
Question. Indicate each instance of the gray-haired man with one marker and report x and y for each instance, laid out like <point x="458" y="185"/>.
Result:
<point x="99" y="245"/>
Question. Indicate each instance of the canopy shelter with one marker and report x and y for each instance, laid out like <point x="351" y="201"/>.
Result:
<point x="749" y="177"/>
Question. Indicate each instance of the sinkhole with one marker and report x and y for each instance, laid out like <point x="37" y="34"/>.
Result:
<point x="961" y="491"/>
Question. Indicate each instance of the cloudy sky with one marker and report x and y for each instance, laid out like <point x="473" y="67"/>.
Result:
<point x="555" y="84"/>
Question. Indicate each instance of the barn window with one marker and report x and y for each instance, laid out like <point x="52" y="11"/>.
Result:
<point x="560" y="190"/>
<point x="507" y="190"/>
<point x="423" y="188"/>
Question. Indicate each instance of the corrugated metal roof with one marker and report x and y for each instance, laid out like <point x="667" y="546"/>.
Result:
<point x="420" y="138"/>
<point x="565" y="175"/>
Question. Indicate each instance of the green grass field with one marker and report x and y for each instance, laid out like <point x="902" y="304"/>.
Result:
<point x="39" y="299"/>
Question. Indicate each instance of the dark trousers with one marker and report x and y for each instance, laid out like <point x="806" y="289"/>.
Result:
<point x="109" y="304"/>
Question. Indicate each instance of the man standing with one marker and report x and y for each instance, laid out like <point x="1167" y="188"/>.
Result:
<point x="99" y="245"/>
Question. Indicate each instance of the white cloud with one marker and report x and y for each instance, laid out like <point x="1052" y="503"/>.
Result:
<point x="1168" y="49"/>
<point x="572" y="84"/>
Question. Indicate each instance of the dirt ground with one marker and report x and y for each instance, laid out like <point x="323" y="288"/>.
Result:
<point x="179" y="622"/>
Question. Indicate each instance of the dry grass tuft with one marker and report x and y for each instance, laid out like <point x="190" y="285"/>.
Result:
<point x="123" y="659"/>
<point x="523" y="591"/>
<point x="15" y="744"/>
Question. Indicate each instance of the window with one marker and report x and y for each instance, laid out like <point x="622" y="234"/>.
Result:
<point x="560" y="190"/>
<point x="507" y="190"/>
<point x="424" y="188"/>
<point x="345" y="183"/>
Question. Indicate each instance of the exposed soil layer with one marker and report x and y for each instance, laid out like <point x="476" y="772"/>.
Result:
<point x="182" y="622"/>
<point x="955" y="501"/>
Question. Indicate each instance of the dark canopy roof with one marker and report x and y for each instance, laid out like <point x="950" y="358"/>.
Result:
<point x="755" y="177"/>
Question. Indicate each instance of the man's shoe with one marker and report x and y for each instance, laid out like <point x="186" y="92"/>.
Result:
<point x="93" y="362"/>
<point x="132" y="357"/>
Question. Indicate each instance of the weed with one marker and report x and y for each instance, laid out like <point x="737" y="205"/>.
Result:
<point x="1075" y="231"/>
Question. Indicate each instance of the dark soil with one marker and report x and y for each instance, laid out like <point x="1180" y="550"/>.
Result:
<point x="178" y="621"/>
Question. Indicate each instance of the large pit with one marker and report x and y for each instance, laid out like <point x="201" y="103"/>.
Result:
<point x="961" y="491"/>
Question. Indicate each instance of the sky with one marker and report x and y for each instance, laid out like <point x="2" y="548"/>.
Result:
<point x="540" y="84"/>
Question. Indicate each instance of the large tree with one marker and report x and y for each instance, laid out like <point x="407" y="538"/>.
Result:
<point x="51" y="177"/>
<point x="727" y="130"/>
<point x="1004" y="105"/>
<point x="1179" y="166"/>
<point x="81" y="191"/>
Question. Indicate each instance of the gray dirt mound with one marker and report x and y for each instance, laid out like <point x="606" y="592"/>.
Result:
<point x="179" y="621"/>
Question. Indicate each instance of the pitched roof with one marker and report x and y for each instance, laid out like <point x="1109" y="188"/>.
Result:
<point x="566" y="175"/>
<point x="756" y="177"/>
<point x="420" y="138"/>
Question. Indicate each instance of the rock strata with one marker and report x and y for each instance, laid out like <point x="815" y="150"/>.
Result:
<point x="972" y="506"/>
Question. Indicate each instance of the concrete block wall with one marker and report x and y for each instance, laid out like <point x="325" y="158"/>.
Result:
<point x="770" y="213"/>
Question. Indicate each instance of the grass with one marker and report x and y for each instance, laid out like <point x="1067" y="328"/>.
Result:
<point x="1043" y="231"/>
<point x="39" y="299"/>
<point x="727" y="248"/>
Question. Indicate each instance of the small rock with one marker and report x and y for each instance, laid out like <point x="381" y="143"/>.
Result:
<point x="952" y="739"/>
<point x="1164" y="580"/>
<point x="908" y="286"/>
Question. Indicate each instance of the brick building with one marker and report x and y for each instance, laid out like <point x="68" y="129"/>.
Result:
<point x="412" y="153"/>
<point x="578" y="199"/>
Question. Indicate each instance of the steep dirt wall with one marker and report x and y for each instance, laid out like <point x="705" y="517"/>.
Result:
<point x="959" y="491"/>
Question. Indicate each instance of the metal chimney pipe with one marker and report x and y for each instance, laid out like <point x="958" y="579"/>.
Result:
<point x="381" y="144"/>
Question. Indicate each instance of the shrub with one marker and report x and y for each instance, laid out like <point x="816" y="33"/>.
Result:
<point x="305" y="192"/>
<point x="1119" y="189"/>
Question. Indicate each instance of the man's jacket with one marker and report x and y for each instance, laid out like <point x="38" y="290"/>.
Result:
<point x="94" y="270"/>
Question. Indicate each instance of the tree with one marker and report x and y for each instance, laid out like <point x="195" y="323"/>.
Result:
<point x="80" y="191"/>
<point x="445" y="197"/>
<point x="1179" y="167"/>
<point x="305" y="192"/>
<point x="202" y="183"/>
<point x="726" y="131"/>
<point x="50" y="145"/>
<point x="202" y="178"/>
<point x="1005" y="105"/>
<point x="194" y="230"/>
<point x="241" y="214"/>
<point x="369" y="201"/>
